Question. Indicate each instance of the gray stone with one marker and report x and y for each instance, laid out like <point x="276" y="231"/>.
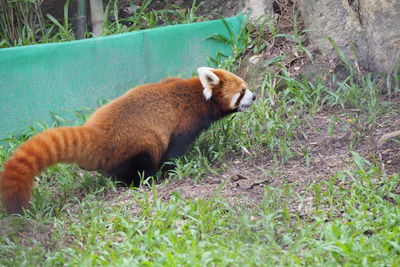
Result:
<point x="251" y="8"/>
<point x="256" y="8"/>
<point x="367" y="31"/>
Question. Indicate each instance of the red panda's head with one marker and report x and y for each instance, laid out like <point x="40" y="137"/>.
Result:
<point x="226" y="88"/>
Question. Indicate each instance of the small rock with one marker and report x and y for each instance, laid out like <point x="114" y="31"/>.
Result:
<point x="253" y="218"/>
<point x="255" y="59"/>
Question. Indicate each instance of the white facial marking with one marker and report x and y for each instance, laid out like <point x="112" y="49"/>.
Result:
<point x="234" y="99"/>
<point x="208" y="79"/>
<point x="246" y="101"/>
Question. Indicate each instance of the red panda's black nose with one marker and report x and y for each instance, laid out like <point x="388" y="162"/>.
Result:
<point x="254" y="97"/>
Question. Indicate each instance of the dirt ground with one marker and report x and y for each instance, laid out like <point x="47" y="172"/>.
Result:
<point x="244" y="181"/>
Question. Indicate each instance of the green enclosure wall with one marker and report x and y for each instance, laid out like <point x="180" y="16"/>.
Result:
<point x="63" y="77"/>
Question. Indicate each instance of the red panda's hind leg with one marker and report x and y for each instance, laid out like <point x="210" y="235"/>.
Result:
<point x="129" y="171"/>
<point x="144" y="163"/>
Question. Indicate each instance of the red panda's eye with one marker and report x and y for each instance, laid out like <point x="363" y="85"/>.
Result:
<point x="243" y="91"/>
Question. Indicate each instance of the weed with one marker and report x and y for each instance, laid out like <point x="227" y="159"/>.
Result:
<point x="362" y="96"/>
<point x="297" y="36"/>
<point x="237" y="42"/>
<point x="65" y="31"/>
<point x="261" y="39"/>
<point x="143" y="18"/>
<point x="393" y="77"/>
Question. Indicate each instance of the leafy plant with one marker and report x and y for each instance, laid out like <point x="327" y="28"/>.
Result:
<point x="143" y="18"/>
<point x="297" y="36"/>
<point x="237" y="42"/>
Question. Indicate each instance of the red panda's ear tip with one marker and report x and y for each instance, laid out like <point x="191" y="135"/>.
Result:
<point x="207" y="77"/>
<point x="202" y="69"/>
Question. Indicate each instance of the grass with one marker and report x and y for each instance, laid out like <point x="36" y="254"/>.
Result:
<point x="351" y="225"/>
<point x="350" y="218"/>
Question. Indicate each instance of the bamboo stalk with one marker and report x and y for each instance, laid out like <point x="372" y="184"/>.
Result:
<point x="39" y="15"/>
<point x="20" y="20"/>
<point x="97" y="15"/>
<point x="81" y="19"/>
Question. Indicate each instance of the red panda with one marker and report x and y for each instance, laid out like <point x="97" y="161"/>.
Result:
<point x="133" y="134"/>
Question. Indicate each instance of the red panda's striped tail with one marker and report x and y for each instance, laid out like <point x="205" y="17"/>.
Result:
<point x="65" y="144"/>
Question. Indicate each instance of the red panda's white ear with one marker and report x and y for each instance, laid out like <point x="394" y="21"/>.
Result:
<point x="208" y="79"/>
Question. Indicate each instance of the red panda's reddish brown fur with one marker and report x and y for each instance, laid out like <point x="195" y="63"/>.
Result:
<point x="136" y="132"/>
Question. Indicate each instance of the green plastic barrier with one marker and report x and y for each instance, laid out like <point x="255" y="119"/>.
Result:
<point x="63" y="77"/>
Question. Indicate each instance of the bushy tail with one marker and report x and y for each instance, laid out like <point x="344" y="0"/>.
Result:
<point x="64" y="144"/>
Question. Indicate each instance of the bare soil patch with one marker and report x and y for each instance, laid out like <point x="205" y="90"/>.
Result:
<point x="30" y="232"/>
<point x="243" y="181"/>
